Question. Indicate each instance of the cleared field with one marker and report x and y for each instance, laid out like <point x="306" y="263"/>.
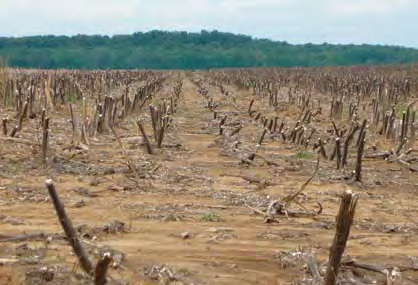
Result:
<point x="204" y="177"/>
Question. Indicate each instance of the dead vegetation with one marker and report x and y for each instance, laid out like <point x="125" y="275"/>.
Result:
<point x="163" y="176"/>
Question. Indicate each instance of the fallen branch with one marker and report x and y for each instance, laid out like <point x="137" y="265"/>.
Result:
<point x="279" y="207"/>
<point x="145" y="137"/>
<point x="18" y="140"/>
<point x="389" y="273"/>
<point x="384" y="154"/>
<point x="8" y="261"/>
<point x="406" y="165"/>
<point x="313" y="268"/>
<point x="252" y="179"/>
<point x="290" y="198"/>
<point x="69" y="229"/>
<point x="131" y="165"/>
<point x="268" y="161"/>
<point x="23" y="237"/>
<point x="369" y="267"/>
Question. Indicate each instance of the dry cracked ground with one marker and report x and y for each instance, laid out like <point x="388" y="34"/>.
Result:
<point x="188" y="218"/>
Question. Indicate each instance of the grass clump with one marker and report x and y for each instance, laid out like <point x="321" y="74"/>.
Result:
<point x="400" y="108"/>
<point x="303" y="154"/>
<point x="210" y="217"/>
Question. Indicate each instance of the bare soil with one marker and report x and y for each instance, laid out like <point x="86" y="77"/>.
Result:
<point x="188" y="215"/>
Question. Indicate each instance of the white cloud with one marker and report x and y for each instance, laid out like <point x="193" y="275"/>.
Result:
<point x="374" y="21"/>
<point x="68" y="10"/>
<point x="245" y="4"/>
<point x="368" y="7"/>
<point x="21" y="17"/>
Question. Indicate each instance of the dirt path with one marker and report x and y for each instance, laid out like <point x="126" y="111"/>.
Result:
<point x="219" y="252"/>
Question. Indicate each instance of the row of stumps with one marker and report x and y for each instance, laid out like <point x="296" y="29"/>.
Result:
<point x="344" y="221"/>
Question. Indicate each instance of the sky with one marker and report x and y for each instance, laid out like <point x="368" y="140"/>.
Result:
<point x="388" y="22"/>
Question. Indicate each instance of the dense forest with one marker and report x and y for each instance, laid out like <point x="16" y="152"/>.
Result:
<point x="183" y="50"/>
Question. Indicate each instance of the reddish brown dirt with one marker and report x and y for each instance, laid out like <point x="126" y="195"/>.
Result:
<point x="189" y="192"/>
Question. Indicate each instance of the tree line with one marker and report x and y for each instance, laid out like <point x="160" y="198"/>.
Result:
<point x="184" y="50"/>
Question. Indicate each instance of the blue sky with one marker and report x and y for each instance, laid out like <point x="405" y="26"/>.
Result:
<point x="391" y="22"/>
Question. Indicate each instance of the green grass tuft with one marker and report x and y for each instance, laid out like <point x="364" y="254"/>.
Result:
<point x="400" y="108"/>
<point x="210" y="217"/>
<point x="303" y="154"/>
